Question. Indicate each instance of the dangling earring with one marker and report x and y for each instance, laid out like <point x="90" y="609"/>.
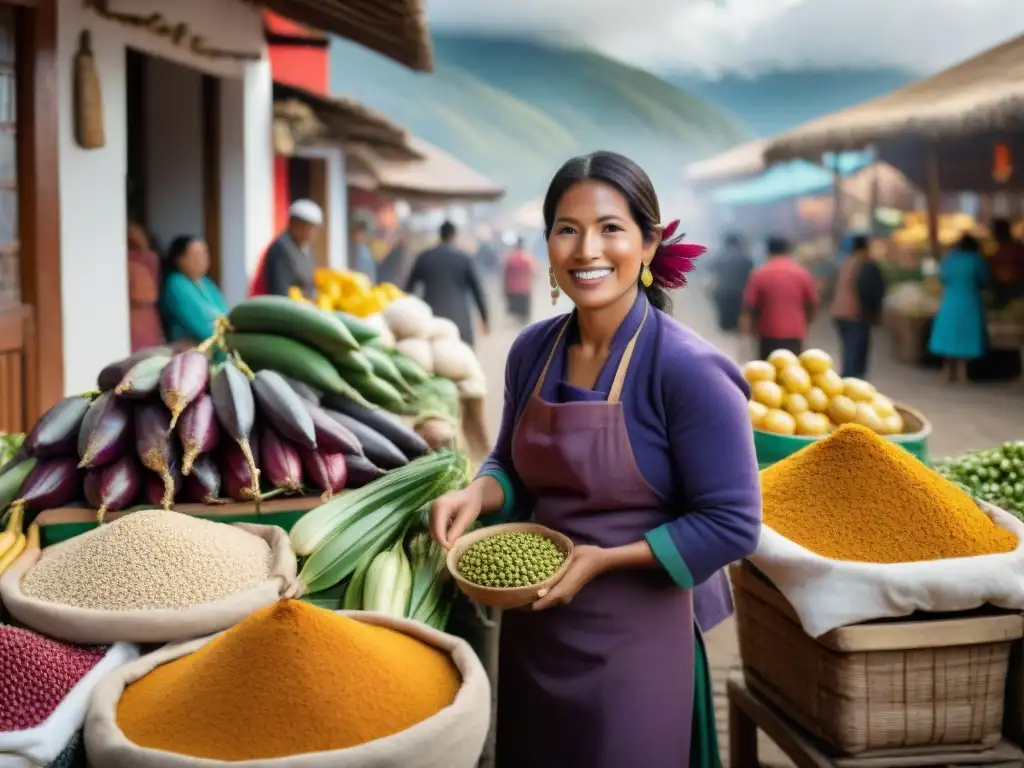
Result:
<point x="554" y="287"/>
<point x="646" y="278"/>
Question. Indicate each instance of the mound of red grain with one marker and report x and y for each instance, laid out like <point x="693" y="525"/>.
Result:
<point x="36" y="674"/>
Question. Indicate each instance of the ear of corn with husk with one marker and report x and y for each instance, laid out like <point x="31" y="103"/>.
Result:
<point x="338" y="536"/>
<point x="389" y="582"/>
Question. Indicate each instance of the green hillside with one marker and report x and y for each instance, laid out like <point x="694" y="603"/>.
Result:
<point x="516" y="109"/>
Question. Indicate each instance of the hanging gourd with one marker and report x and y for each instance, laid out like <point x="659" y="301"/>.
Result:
<point x="88" y="106"/>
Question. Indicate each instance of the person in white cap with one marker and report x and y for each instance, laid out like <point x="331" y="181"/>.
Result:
<point x="289" y="260"/>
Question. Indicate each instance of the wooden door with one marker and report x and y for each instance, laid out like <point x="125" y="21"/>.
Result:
<point x="14" y="317"/>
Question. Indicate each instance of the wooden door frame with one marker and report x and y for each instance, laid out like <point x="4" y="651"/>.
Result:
<point x="211" y="138"/>
<point x="39" y="203"/>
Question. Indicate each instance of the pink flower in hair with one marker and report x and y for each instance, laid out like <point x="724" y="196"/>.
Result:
<point x="674" y="258"/>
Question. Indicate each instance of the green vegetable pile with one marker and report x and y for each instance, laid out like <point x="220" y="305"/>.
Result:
<point x="994" y="475"/>
<point x="10" y="444"/>
<point x="513" y="559"/>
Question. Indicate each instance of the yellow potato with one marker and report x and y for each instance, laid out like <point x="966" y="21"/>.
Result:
<point x="809" y="423"/>
<point x="893" y="425"/>
<point x="757" y="413"/>
<point x="758" y="370"/>
<point x="795" y="379"/>
<point x="783" y="358"/>
<point x="768" y="393"/>
<point x="842" y="410"/>
<point x="867" y="417"/>
<point x="883" y="406"/>
<point x="858" y="389"/>
<point x="816" y="361"/>
<point x="817" y="400"/>
<point x="828" y="382"/>
<point x="795" y="403"/>
<point x="779" y="422"/>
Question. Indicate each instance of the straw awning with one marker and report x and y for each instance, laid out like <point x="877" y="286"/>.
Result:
<point x="741" y="162"/>
<point x="395" y="28"/>
<point x="983" y="94"/>
<point x="341" y="119"/>
<point x="437" y="178"/>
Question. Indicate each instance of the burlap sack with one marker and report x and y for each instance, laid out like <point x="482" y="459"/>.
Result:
<point x="96" y="627"/>
<point x="54" y="741"/>
<point x="453" y="738"/>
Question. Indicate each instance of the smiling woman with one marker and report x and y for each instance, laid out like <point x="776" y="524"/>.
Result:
<point x="628" y="433"/>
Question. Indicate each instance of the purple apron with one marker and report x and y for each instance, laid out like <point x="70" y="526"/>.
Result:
<point x="607" y="680"/>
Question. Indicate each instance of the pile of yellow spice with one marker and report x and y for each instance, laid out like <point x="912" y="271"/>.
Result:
<point x="857" y="496"/>
<point x="289" y="680"/>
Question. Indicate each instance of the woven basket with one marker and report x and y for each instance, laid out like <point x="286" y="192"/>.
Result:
<point x="879" y="686"/>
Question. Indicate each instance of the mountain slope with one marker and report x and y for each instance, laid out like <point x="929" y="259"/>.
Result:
<point x="777" y="101"/>
<point x="516" y="109"/>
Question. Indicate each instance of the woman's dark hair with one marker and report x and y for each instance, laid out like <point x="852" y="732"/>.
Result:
<point x="968" y="243"/>
<point x="631" y="181"/>
<point x="175" y="251"/>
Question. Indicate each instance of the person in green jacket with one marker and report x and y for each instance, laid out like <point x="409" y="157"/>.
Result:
<point x="190" y="302"/>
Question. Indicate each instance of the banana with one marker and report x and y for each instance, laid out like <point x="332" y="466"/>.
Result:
<point x="13" y="553"/>
<point x="9" y="537"/>
<point x="21" y="543"/>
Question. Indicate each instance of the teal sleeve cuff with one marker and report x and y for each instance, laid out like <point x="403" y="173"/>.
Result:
<point x="504" y="514"/>
<point x="665" y="550"/>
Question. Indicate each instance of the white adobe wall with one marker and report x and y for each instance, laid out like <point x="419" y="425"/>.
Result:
<point x="93" y="216"/>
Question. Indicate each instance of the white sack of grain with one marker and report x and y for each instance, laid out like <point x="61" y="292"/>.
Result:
<point x="453" y="738"/>
<point x="47" y="742"/>
<point x="163" y="577"/>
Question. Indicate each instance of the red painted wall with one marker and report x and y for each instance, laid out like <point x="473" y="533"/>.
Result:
<point x="301" y="66"/>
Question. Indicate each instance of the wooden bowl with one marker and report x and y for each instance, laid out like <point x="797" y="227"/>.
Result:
<point x="507" y="597"/>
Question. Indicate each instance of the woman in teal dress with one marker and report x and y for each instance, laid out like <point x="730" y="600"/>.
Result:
<point x="190" y="302"/>
<point x="959" y="331"/>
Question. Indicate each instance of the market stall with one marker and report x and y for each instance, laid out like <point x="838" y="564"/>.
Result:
<point x="193" y="499"/>
<point x="878" y="614"/>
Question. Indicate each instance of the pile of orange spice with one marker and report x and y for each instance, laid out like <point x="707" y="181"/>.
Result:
<point x="856" y="496"/>
<point x="290" y="679"/>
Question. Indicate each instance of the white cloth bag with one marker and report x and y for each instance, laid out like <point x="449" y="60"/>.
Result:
<point x="827" y="594"/>
<point x="453" y="738"/>
<point x="40" y="746"/>
<point x="92" y="626"/>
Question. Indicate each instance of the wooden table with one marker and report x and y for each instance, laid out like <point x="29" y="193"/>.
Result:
<point x="748" y="712"/>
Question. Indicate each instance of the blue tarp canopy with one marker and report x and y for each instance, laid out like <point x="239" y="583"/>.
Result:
<point x="797" y="178"/>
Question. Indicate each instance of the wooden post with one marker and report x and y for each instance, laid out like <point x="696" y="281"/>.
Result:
<point x="875" y="193"/>
<point x="933" y="191"/>
<point x="837" y="205"/>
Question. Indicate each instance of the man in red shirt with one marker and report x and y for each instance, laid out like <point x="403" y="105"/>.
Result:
<point x="779" y="302"/>
<point x="520" y="271"/>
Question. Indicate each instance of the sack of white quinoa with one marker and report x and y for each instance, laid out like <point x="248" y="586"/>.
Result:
<point x="150" y="577"/>
<point x="47" y="685"/>
<point x="297" y="686"/>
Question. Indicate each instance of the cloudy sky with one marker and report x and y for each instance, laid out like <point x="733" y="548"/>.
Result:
<point x="751" y="36"/>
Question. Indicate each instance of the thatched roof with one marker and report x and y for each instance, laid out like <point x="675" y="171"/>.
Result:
<point x="436" y="178"/>
<point x="395" y="28"/>
<point x="741" y="162"/>
<point x="340" y="119"/>
<point x="983" y="94"/>
<point x="889" y="187"/>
